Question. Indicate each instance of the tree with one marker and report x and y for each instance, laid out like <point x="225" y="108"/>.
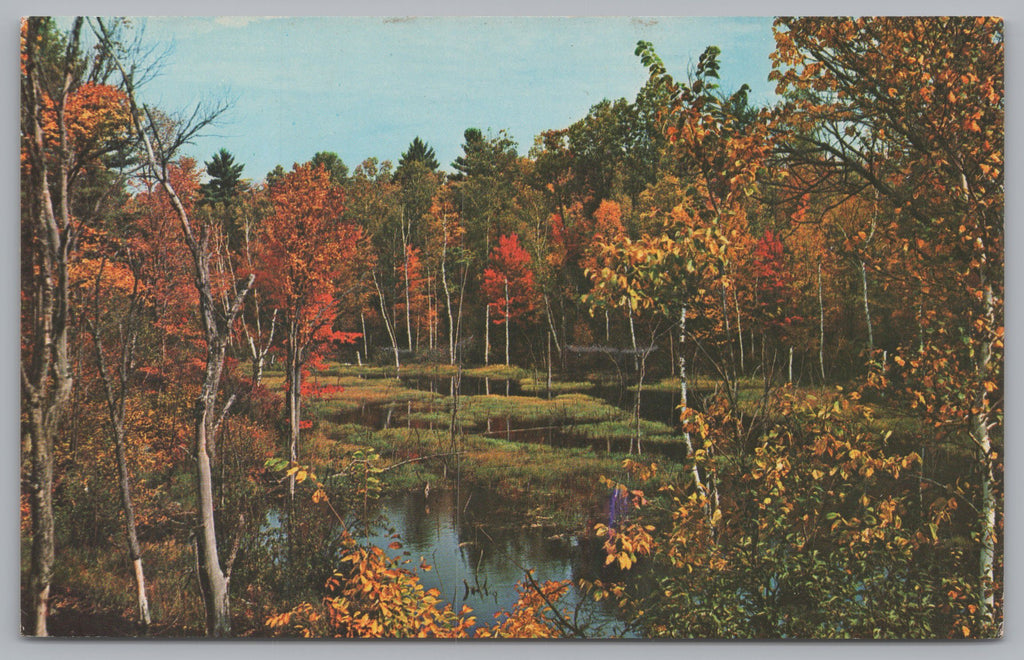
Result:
<point x="70" y="121"/>
<point x="335" y="167"/>
<point x="447" y="241"/>
<point x="258" y="320"/>
<point x="116" y="384"/>
<point x="913" y="109"/>
<point x="714" y="156"/>
<point x="418" y="152"/>
<point x="307" y="251"/>
<point x="775" y="293"/>
<point x="818" y="539"/>
<point x="418" y="312"/>
<point x="274" y="175"/>
<point x="615" y="150"/>
<point x="485" y="192"/>
<point x="225" y="178"/>
<point x="508" y="285"/>
<point x="216" y="321"/>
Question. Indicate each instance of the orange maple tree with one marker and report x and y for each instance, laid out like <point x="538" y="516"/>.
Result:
<point x="508" y="284"/>
<point x="307" y="250"/>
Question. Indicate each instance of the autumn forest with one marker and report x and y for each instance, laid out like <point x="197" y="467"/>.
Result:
<point x="691" y="366"/>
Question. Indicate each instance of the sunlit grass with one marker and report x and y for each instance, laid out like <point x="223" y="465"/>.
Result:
<point x="362" y="391"/>
<point x="411" y="370"/>
<point x="498" y="372"/>
<point x="539" y="386"/>
<point x="560" y="481"/>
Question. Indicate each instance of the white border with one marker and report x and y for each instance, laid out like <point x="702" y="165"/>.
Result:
<point x="18" y="647"/>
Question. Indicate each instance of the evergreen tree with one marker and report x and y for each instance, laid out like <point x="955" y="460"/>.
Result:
<point x="418" y="152"/>
<point x="225" y="178"/>
<point x="275" y="175"/>
<point x="335" y="167"/>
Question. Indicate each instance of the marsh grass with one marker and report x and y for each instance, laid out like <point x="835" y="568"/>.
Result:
<point x="357" y="391"/>
<point x="563" y="484"/>
<point x="539" y="386"/>
<point x="411" y="370"/>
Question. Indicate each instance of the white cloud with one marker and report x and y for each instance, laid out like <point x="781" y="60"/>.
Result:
<point x="239" y="21"/>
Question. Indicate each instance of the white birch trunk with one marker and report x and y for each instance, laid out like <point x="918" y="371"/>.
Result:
<point x="508" y="322"/>
<point x="684" y="410"/>
<point x="979" y="422"/>
<point x="867" y="306"/>
<point x="387" y="326"/>
<point x="487" y="334"/>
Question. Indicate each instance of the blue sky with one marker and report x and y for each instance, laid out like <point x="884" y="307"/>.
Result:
<point x="365" y="87"/>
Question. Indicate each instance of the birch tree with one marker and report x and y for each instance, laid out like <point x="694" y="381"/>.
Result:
<point x="216" y="322"/>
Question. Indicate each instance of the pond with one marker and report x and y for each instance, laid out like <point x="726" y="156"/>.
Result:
<point x="478" y="561"/>
<point x="478" y="553"/>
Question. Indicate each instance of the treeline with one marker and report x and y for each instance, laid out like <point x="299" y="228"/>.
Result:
<point x="850" y="234"/>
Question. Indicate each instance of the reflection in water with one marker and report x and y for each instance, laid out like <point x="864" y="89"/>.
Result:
<point x="556" y="431"/>
<point x="479" y="564"/>
<point x="655" y="405"/>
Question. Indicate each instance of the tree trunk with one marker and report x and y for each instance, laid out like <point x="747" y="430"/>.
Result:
<point x="116" y="408"/>
<point x="487" y="334"/>
<point x="387" y="325"/>
<point x="216" y="326"/>
<point x="366" y="341"/>
<point x="45" y="371"/>
<point x="684" y="410"/>
<point x="293" y="368"/>
<point x="551" y="326"/>
<point x="212" y="579"/>
<point x="979" y="425"/>
<point x="458" y="318"/>
<point x="636" y="406"/>
<point x="821" y="329"/>
<point x="508" y="322"/>
<point x="732" y="366"/>
<point x="448" y="299"/>
<point x="258" y="353"/>
<point x="632" y="336"/>
<point x="549" y="365"/>
<point x="134" y="549"/>
<point x="41" y="503"/>
<point x="405" y="268"/>
<point x="867" y="307"/>
<point x="739" y="328"/>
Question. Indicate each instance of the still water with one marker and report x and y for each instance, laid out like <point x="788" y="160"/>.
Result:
<point x="478" y="562"/>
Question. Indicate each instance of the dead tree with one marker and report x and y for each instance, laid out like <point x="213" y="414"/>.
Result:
<point x="216" y="321"/>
